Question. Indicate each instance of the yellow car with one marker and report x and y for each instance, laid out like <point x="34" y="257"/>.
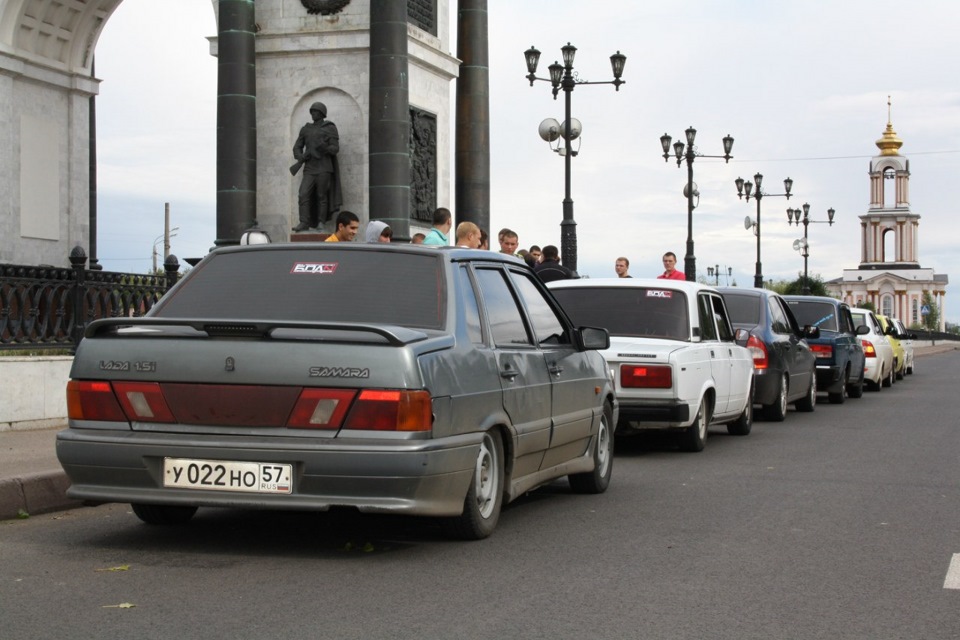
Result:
<point x="899" y="356"/>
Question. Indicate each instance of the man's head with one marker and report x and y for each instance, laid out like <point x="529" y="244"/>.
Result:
<point x="622" y="267"/>
<point x="468" y="235"/>
<point x="669" y="261"/>
<point x="551" y="254"/>
<point x="484" y="239"/>
<point x="347" y="226"/>
<point x="535" y="252"/>
<point x="509" y="241"/>
<point x="418" y="238"/>
<point x="443" y="220"/>
<point x="318" y="111"/>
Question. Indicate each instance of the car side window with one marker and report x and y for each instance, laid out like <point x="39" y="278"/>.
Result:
<point x="506" y="321"/>
<point x="846" y="321"/>
<point x="471" y="308"/>
<point x="708" y="330"/>
<point x="547" y="326"/>
<point x="778" y="319"/>
<point x="724" y="328"/>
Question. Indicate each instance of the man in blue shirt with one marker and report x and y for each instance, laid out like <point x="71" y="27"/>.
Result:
<point x="442" y="222"/>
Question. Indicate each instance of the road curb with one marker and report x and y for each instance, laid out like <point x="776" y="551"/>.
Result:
<point x="35" y="493"/>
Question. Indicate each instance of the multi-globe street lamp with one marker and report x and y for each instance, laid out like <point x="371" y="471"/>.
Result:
<point x="715" y="273"/>
<point x="746" y="188"/>
<point x="562" y="76"/>
<point x="803" y="246"/>
<point x="690" y="190"/>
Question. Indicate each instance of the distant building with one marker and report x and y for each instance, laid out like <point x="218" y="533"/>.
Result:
<point x="890" y="275"/>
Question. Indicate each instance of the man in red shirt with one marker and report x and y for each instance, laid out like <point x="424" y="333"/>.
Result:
<point x="670" y="273"/>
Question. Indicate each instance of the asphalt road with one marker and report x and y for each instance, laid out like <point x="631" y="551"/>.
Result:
<point x="837" y="524"/>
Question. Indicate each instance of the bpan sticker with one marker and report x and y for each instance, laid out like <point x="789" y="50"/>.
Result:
<point x="316" y="268"/>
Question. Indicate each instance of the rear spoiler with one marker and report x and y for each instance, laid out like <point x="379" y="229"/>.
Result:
<point x="215" y="328"/>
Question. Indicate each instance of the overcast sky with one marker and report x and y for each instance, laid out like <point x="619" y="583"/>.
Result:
<point x="801" y="86"/>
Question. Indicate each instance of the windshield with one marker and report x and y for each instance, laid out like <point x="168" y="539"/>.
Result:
<point x="634" y="312"/>
<point x="315" y="285"/>
<point x="816" y="314"/>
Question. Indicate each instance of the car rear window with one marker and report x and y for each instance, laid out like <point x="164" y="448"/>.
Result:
<point x="816" y="314"/>
<point x="743" y="309"/>
<point x="628" y="311"/>
<point x="336" y="285"/>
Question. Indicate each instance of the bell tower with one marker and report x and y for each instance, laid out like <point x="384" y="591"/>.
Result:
<point x="889" y="230"/>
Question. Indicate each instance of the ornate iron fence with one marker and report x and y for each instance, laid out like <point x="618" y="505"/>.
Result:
<point x="49" y="307"/>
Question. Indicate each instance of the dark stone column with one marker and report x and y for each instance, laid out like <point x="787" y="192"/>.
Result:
<point x="472" y="150"/>
<point x="236" y="121"/>
<point x="92" y="161"/>
<point x="389" y="117"/>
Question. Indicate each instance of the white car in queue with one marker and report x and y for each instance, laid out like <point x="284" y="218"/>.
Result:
<point x="674" y="355"/>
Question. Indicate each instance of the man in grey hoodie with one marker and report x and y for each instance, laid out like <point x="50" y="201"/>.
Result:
<point x="378" y="231"/>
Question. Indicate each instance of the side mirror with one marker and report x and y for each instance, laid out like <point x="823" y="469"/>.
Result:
<point x="809" y="331"/>
<point x="890" y="332"/>
<point x="591" y="338"/>
<point x="742" y="336"/>
<point x="864" y="329"/>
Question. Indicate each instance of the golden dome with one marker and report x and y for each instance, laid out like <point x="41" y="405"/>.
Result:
<point x="889" y="144"/>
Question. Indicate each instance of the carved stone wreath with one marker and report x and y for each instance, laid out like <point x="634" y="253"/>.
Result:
<point x="324" y="7"/>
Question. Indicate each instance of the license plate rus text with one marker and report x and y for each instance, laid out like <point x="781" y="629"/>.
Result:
<point x="219" y="475"/>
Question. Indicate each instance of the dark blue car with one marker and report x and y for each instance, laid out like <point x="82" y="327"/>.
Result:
<point x="840" y="358"/>
<point x="783" y="363"/>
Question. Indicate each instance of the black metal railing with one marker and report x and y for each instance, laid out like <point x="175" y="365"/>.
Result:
<point x="44" y="307"/>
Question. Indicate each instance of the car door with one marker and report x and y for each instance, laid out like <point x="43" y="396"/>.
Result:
<point x="797" y="359"/>
<point x="851" y="341"/>
<point x="719" y="353"/>
<point x="574" y="395"/>
<point x="524" y="379"/>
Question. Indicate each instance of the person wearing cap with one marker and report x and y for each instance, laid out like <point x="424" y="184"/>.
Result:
<point x="316" y="151"/>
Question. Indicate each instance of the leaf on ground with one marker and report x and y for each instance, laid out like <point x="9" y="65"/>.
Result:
<point x="122" y="567"/>
<point x="23" y="515"/>
<point x="122" y="605"/>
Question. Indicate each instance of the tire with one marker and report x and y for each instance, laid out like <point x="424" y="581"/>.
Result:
<point x="910" y="369"/>
<point x="484" y="499"/>
<point x="694" y="438"/>
<point x="809" y="402"/>
<point x="856" y="390"/>
<point x="888" y="379"/>
<point x="598" y="480"/>
<point x="776" y="411"/>
<point x="163" y="514"/>
<point x="841" y="396"/>
<point x="744" y="423"/>
<point x="901" y="373"/>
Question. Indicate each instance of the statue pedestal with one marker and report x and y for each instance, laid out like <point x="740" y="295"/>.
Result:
<point x="309" y="236"/>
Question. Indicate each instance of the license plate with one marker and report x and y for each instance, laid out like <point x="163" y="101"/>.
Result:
<point x="220" y="475"/>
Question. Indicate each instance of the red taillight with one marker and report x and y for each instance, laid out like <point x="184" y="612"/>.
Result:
<point x="321" y="408"/>
<point x="391" y="411"/>
<point x="868" y="349"/>
<point x="822" y="350"/>
<point x="143" y="401"/>
<point x="759" y="352"/>
<point x="635" y="376"/>
<point x="87" y="400"/>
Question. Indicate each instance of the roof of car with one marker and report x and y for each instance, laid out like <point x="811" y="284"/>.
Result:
<point x="454" y="253"/>
<point x="658" y="283"/>
<point x="796" y="298"/>
<point x="748" y="291"/>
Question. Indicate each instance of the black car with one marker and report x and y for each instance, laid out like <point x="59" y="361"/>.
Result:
<point x="783" y="362"/>
<point x="840" y="357"/>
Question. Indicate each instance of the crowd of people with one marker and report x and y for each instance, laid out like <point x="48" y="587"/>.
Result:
<point x="544" y="261"/>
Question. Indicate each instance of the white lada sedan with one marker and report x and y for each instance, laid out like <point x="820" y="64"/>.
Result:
<point x="673" y="354"/>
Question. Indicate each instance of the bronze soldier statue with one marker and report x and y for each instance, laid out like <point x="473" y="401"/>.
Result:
<point x="316" y="151"/>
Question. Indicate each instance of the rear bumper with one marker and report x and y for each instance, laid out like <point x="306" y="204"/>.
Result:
<point x="766" y="386"/>
<point x="829" y="378"/>
<point x="653" y="414"/>
<point x="420" y="477"/>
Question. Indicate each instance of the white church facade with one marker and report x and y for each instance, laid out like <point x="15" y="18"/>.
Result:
<point x="890" y="275"/>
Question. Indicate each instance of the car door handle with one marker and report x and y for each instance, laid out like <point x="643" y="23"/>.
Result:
<point x="555" y="369"/>
<point x="509" y="373"/>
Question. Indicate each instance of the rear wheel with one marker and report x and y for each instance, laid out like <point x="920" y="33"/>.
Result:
<point x="840" y="397"/>
<point x="888" y="379"/>
<point x="163" y="514"/>
<point x="855" y="390"/>
<point x="776" y="411"/>
<point x="481" y="507"/>
<point x="596" y="481"/>
<point x="743" y="424"/>
<point x="695" y="436"/>
<point x="809" y="401"/>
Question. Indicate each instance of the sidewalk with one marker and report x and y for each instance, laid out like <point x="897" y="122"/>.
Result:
<point x="33" y="482"/>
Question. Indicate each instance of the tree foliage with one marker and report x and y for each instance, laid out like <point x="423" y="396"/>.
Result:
<point x="932" y="319"/>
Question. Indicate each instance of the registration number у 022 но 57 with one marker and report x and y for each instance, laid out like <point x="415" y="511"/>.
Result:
<point x="220" y="475"/>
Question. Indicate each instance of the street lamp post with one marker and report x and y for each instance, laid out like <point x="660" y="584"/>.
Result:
<point x="690" y="190"/>
<point x="746" y="188"/>
<point x="165" y="236"/>
<point x="562" y="76"/>
<point x="803" y="246"/>
<point x="715" y="272"/>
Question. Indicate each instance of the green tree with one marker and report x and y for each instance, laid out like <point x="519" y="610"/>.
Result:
<point x="932" y="319"/>
<point x="795" y="287"/>
<point x="866" y="304"/>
